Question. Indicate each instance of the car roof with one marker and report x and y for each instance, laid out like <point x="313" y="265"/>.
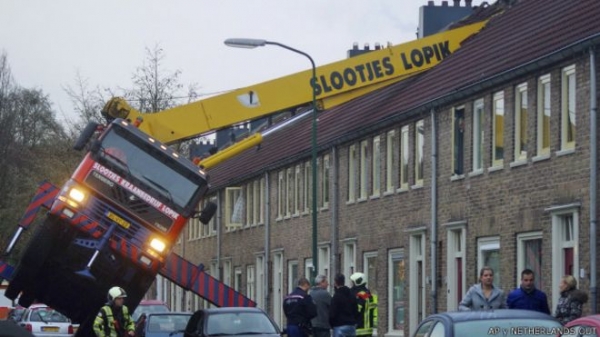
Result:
<point x="169" y="314"/>
<point x="461" y="316"/>
<point x="150" y="302"/>
<point x="232" y="309"/>
<point x="591" y="319"/>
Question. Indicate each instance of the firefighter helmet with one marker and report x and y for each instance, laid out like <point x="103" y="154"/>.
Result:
<point x="116" y="292"/>
<point x="358" y="279"/>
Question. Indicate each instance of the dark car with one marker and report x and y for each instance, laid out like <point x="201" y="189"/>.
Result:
<point x="164" y="324"/>
<point x="587" y="326"/>
<point x="500" y="322"/>
<point x="231" y="321"/>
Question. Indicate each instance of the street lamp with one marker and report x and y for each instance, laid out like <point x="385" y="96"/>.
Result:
<point x="253" y="43"/>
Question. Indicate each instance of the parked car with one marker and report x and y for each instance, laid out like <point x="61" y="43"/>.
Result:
<point x="149" y="307"/>
<point x="231" y="321"/>
<point x="500" y="322"/>
<point x="44" y="321"/>
<point x="164" y="324"/>
<point x="15" y="314"/>
<point x="587" y="326"/>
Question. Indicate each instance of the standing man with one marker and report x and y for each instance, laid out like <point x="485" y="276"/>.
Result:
<point x="322" y="299"/>
<point x="343" y="313"/>
<point x="527" y="296"/>
<point x="365" y="304"/>
<point x="299" y="309"/>
<point x="114" y="320"/>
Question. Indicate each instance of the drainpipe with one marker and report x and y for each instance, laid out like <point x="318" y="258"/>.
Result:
<point x="434" y="252"/>
<point x="335" y="199"/>
<point x="593" y="178"/>
<point x="267" y="246"/>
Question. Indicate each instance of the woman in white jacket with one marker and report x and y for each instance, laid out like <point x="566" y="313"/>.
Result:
<point x="483" y="296"/>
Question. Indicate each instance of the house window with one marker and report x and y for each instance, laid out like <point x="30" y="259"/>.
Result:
<point x="292" y="275"/>
<point x="458" y="140"/>
<point x="352" y="173"/>
<point x="376" y="174"/>
<point x="260" y="281"/>
<point x="349" y="261"/>
<point x="498" y="114"/>
<point x="478" y="135"/>
<point x="307" y="186"/>
<point x="227" y="272"/>
<point x="568" y="108"/>
<point x="565" y="243"/>
<point x="250" y="282"/>
<point x="257" y="202"/>
<point x="529" y="256"/>
<point x="488" y="255"/>
<point x="418" y="293"/>
<point x="370" y="271"/>
<point x="324" y="261"/>
<point x="404" y="155"/>
<point x="364" y="148"/>
<point x="290" y="192"/>
<point x="211" y="228"/>
<point x="419" y="151"/>
<point x="263" y="196"/>
<point x="281" y="194"/>
<point x="456" y="265"/>
<point x="543" y="116"/>
<point x="308" y="268"/>
<point x="234" y="207"/>
<point x="325" y="182"/>
<point x="297" y="189"/>
<point x="237" y="280"/>
<point x="521" y="122"/>
<point x="278" y="268"/>
<point x="389" y="161"/>
<point x="249" y="204"/>
<point x="396" y="291"/>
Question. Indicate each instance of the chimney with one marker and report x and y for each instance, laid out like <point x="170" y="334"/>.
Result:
<point x="430" y="3"/>
<point x="367" y="46"/>
<point x="355" y="46"/>
<point x="377" y="46"/>
<point x="444" y="3"/>
<point x="456" y="3"/>
<point x="468" y="3"/>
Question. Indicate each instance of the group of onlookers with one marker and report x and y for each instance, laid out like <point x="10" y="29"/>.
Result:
<point x="347" y="312"/>
<point x="485" y="295"/>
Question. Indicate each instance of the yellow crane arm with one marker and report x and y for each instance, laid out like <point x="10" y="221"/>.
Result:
<point x="336" y="83"/>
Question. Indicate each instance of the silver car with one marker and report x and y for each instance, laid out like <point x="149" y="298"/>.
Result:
<point x="44" y="321"/>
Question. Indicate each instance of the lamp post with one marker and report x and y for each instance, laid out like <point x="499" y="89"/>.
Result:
<point x="253" y="43"/>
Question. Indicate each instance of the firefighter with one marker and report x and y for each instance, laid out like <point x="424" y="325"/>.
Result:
<point x="114" y="319"/>
<point x="366" y="304"/>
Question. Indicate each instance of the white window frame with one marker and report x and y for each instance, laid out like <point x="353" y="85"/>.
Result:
<point x="349" y="259"/>
<point x="544" y="97"/>
<point x="417" y="254"/>
<point x="324" y="255"/>
<point x="568" y="102"/>
<point x="363" y="178"/>
<point x="307" y="187"/>
<point x="478" y="136"/>
<point x="389" y="161"/>
<point x="234" y="208"/>
<point x="281" y="200"/>
<point x="456" y="232"/>
<point x="484" y="244"/>
<point x="260" y="281"/>
<point x="394" y="255"/>
<point x="249" y="191"/>
<point x="454" y="136"/>
<point x="352" y="173"/>
<point x="419" y="153"/>
<point x="376" y="168"/>
<point x="278" y="292"/>
<point x="297" y="189"/>
<point x="308" y="268"/>
<point x="558" y="243"/>
<point x="325" y="191"/>
<point x="292" y="279"/>
<point x="520" y="154"/>
<point x="403" y="159"/>
<point x="227" y="270"/>
<point x="522" y="238"/>
<point x="237" y="279"/>
<point x="289" y="205"/>
<point x="498" y="109"/>
<point x="250" y="282"/>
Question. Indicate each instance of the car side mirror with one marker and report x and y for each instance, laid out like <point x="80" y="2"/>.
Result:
<point x="85" y="136"/>
<point x="207" y="212"/>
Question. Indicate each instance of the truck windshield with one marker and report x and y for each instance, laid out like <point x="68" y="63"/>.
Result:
<point x="139" y="161"/>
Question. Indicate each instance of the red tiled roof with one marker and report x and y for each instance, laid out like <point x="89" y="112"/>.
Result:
<point x="524" y="32"/>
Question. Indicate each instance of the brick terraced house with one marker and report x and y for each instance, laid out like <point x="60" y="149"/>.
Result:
<point x="490" y="158"/>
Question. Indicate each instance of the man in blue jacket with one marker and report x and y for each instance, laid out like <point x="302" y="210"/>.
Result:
<point x="299" y="309"/>
<point x="527" y="296"/>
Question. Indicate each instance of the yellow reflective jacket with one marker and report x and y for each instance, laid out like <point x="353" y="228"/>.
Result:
<point x="105" y="324"/>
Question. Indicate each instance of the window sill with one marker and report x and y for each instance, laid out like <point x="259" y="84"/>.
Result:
<point x="373" y="197"/>
<point x="324" y="208"/>
<point x="564" y="152"/>
<point x="361" y="200"/>
<point x="402" y="189"/>
<point x="456" y="177"/>
<point x="495" y="168"/>
<point x="387" y="193"/>
<point x="476" y="173"/>
<point x="540" y="157"/>
<point x="350" y="202"/>
<point x="416" y="186"/>
<point x="518" y="163"/>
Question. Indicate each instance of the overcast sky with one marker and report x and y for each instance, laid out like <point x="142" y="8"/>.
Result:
<point x="48" y="42"/>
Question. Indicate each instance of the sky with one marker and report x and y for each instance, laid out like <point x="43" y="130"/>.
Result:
<point x="49" y="42"/>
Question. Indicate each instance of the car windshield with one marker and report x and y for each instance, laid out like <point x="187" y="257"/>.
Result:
<point x="148" y="309"/>
<point x="167" y="323"/>
<point x="173" y="183"/>
<point x="236" y="323"/>
<point x="47" y="315"/>
<point x="525" y="327"/>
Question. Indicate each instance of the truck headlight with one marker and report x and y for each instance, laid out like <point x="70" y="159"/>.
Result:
<point x="157" y="245"/>
<point x="76" y="194"/>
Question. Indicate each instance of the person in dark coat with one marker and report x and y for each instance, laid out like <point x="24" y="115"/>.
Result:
<point x="570" y="303"/>
<point x="343" y="313"/>
<point x="527" y="296"/>
<point x="299" y="309"/>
